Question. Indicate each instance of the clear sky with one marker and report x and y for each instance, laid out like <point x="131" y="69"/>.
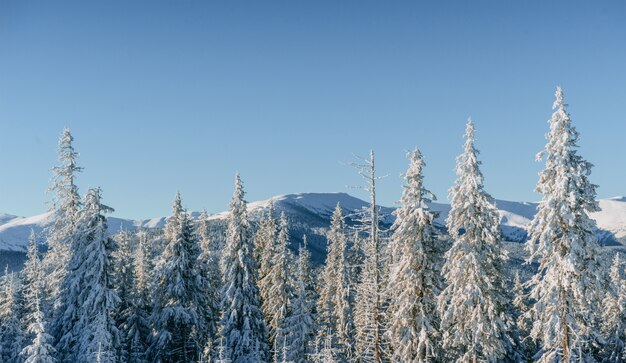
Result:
<point x="179" y="95"/>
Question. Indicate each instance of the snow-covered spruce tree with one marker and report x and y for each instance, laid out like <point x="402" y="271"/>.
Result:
<point x="40" y="349"/>
<point x="243" y="326"/>
<point x="369" y="312"/>
<point x="300" y="324"/>
<point x="31" y="283"/>
<point x="473" y="307"/>
<point x="143" y="265"/>
<point x="89" y="300"/>
<point x="123" y="274"/>
<point x="325" y="351"/>
<point x="136" y="327"/>
<point x="180" y="301"/>
<point x="334" y="307"/>
<point x="614" y="315"/>
<point x="65" y="209"/>
<point x="208" y="264"/>
<point x="566" y="287"/>
<point x="123" y="263"/>
<point x="519" y="312"/>
<point x="279" y="280"/>
<point x="264" y="241"/>
<point x="414" y="276"/>
<point x="11" y="333"/>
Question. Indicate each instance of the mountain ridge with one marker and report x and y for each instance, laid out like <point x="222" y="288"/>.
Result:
<point x="315" y="209"/>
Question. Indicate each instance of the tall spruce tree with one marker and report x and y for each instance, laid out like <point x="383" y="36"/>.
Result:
<point x="566" y="286"/>
<point x="334" y="305"/>
<point x="208" y="263"/>
<point x="180" y="304"/>
<point x="32" y="284"/>
<point x="473" y="306"/>
<point x="65" y="209"/>
<point x="278" y="279"/>
<point x="40" y="349"/>
<point x="123" y="274"/>
<point x="300" y="324"/>
<point x="136" y="325"/>
<point x="11" y="333"/>
<point x="264" y="241"/>
<point x="243" y="326"/>
<point x="414" y="280"/>
<point x="614" y="314"/>
<point x="89" y="299"/>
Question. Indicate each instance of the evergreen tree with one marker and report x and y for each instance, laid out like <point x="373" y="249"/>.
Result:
<point x="414" y="280"/>
<point x="474" y="315"/>
<point x="243" y="327"/>
<point x="180" y="304"/>
<point x="300" y="324"/>
<point x="325" y="352"/>
<point x="520" y="308"/>
<point x="278" y="279"/>
<point x="123" y="273"/>
<point x="264" y="241"/>
<point x="11" y="333"/>
<point x="136" y="325"/>
<point x="334" y="305"/>
<point x="566" y="287"/>
<point x="32" y="283"/>
<point x="614" y="315"/>
<point x="65" y="209"/>
<point x="40" y="350"/>
<point x="208" y="263"/>
<point x="89" y="298"/>
<point x="370" y="300"/>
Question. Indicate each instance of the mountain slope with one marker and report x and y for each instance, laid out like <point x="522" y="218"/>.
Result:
<point x="310" y="213"/>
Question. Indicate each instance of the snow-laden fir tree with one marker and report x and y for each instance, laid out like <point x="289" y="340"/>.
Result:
<point x="40" y="349"/>
<point x="334" y="305"/>
<point x="136" y="326"/>
<point x="11" y="333"/>
<point x="208" y="264"/>
<point x="300" y="324"/>
<point x="520" y="305"/>
<point x="264" y="241"/>
<point x="65" y="208"/>
<point x="566" y="287"/>
<point x="414" y="276"/>
<point x="180" y="301"/>
<point x="123" y="274"/>
<point x="89" y="299"/>
<point x="142" y="264"/>
<point x="123" y="258"/>
<point x="279" y="280"/>
<point x="242" y="326"/>
<point x="325" y="352"/>
<point x="32" y="284"/>
<point x="473" y="307"/>
<point x="133" y="319"/>
<point x="614" y="315"/>
<point x="369" y="311"/>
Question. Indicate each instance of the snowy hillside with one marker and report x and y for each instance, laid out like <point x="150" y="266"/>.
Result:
<point x="314" y="210"/>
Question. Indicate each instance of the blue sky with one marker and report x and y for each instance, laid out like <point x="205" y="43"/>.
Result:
<point x="179" y="95"/>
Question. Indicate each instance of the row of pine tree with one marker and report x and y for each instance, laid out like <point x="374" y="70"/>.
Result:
<point x="416" y="294"/>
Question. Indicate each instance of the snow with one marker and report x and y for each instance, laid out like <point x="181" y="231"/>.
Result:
<point x="514" y="216"/>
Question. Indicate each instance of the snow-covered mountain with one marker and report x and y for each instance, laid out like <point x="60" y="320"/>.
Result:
<point x="310" y="213"/>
